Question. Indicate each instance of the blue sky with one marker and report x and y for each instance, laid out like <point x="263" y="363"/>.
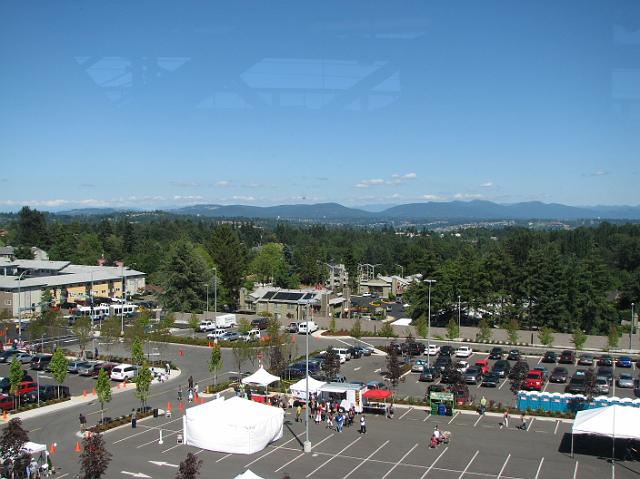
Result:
<point x="158" y="103"/>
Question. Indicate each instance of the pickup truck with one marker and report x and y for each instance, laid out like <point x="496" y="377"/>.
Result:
<point x="534" y="380"/>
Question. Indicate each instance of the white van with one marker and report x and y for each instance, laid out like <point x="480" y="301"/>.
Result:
<point x="124" y="372"/>
<point x="206" y="326"/>
<point x="253" y="335"/>
<point x="307" y="327"/>
<point x="216" y="334"/>
<point x="343" y="352"/>
<point x="226" y="321"/>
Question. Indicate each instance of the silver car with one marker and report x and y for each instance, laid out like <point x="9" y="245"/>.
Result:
<point x="602" y="385"/>
<point x="625" y="380"/>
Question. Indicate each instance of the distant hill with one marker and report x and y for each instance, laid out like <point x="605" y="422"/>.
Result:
<point x="454" y="210"/>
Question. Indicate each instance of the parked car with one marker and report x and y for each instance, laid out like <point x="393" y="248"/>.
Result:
<point x="230" y="336"/>
<point x="7" y="402"/>
<point x="24" y="358"/>
<point x="462" y="366"/>
<point x="464" y="352"/>
<point x="74" y="366"/>
<point x="418" y="366"/>
<point x="7" y="355"/>
<point x="460" y="394"/>
<point x="442" y="363"/>
<point x="26" y="385"/>
<point x="549" y="357"/>
<point x="446" y="351"/>
<point x="602" y="385"/>
<point x="496" y="353"/>
<point x="205" y="326"/>
<point x="124" y="372"/>
<point x="292" y="328"/>
<point x="544" y="371"/>
<point x="48" y="392"/>
<point x="491" y="380"/>
<point x="624" y="362"/>
<point x="605" y="372"/>
<point x="501" y="368"/>
<point x="576" y="385"/>
<point x="514" y="355"/>
<point x="605" y="360"/>
<point x="354" y="353"/>
<point x="413" y="348"/>
<point x="307" y="327"/>
<point x="343" y="352"/>
<point x="636" y="387"/>
<point x="88" y="369"/>
<point x="362" y="350"/>
<point x="41" y="362"/>
<point x="432" y="350"/>
<point x="473" y="375"/>
<point x="567" y="357"/>
<point x="260" y="323"/>
<point x="106" y="366"/>
<point x="534" y="380"/>
<point x="5" y="384"/>
<point x="429" y="374"/>
<point x="483" y="364"/>
<point x="625" y="380"/>
<point x="376" y="385"/>
<point x="216" y="334"/>
<point x="586" y="359"/>
<point x="559" y="375"/>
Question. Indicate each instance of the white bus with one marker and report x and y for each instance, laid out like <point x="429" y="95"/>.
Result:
<point x="95" y="313"/>
<point x="118" y="309"/>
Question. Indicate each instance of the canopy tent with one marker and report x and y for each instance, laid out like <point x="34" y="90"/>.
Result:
<point x="299" y="389"/>
<point x="234" y="426"/>
<point x="617" y="422"/>
<point x="248" y="474"/>
<point x="261" y="377"/>
<point x="377" y="394"/>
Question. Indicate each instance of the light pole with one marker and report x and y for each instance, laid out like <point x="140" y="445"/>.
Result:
<point x="307" y="442"/>
<point x="458" y="315"/>
<point x="215" y="293"/>
<point x="20" y="306"/>
<point x="631" y="328"/>
<point x="124" y="299"/>
<point x="207" y="286"/>
<point x="429" y="323"/>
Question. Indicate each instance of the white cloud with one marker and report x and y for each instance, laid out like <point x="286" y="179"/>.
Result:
<point x="597" y="173"/>
<point x="431" y="197"/>
<point x="467" y="196"/>
<point x="186" y="184"/>
<point x="488" y="184"/>
<point x="243" y="198"/>
<point x="222" y="184"/>
<point x="187" y="198"/>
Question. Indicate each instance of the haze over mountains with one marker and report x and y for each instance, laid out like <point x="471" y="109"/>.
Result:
<point x="454" y="210"/>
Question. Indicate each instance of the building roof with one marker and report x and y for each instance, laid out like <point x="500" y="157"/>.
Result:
<point x="292" y="296"/>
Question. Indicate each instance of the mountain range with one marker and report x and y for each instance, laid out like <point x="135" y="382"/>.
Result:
<point x="476" y="210"/>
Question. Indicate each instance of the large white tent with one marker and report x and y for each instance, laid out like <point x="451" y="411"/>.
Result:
<point x="261" y="377"/>
<point x="299" y="389"/>
<point x="235" y="426"/>
<point x="617" y="422"/>
<point x="248" y="474"/>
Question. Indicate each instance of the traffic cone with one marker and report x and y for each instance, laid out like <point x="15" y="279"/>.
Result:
<point x="77" y="446"/>
<point x="124" y="384"/>
<point x="93" y="391"/>
<point x="180" y="406"/>
<point x="84" y="393"/>
<point x="201" y="400"/>
<point x="168" y="406"/>
<point x="4" y="414"/>
<point x="52" y="448"/>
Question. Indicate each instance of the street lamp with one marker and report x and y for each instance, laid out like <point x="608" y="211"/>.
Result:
<point x="124" y="298"/>
<point x="207" y="286"/>
<point x="215" y="293"/>
<point x="429" y="323"/>
<point x="458" y="315"/>
<point x="631" y="328"/>
<point x="20" y="307"/>
<point x="307" y="442"/>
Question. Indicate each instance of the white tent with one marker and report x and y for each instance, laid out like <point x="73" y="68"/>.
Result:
<point x="617" y="422"/>
<point x="248" y="474"/>
<point x="235" y="426"/>
<point x="299" y="389"/>
<point x="261" y="377"/>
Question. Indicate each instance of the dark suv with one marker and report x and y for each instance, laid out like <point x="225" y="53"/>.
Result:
<point x="501" y="368"/>
<point x="48" y="392"/>
<point x="496" y="353"/>
<point x="567" y="357"/>
<point x="260" y="323"/>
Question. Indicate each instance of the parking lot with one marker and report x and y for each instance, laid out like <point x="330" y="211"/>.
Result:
<point x="395" y="448"/>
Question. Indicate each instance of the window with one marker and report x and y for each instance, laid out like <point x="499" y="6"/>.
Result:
<point x="7" y="302"/>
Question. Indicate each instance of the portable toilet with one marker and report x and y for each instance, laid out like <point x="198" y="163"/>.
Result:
<point x="601" y="401"/>
<point x="566" y="402"/>
<point x="626" y="402"/>
<point x="534" y="400"/>
<point x="522" y="400"/>
<point x="545" y="401"/>
<point x="636" y="402"/>
<point x="556" y="402"/>
<point x="578" y="402"/>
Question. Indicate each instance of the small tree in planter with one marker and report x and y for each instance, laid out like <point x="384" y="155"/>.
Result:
<point x="143" y="384"/>
<point x="387" y="331"/>
<point x="613" y="337"/>
<point x="189" y="468"/>
<point x="393" y="367"/>
<point x="545" y="336"/>
<point x="453" y="332"/>
<point x="103" y="391"/>
<point x="484" y="331"/>
<point x="15" y="378"/>
<point x="512" y="331"/>
<point x="356" y="330"/>
<point x="137" y="353"/>
<point x="94" y="457"/>
<point x="331" y="363"/>
<point x="578" y="338"/>
<point x="193" y="324"/>
<point x="215" y="363"/>
<point x="58" y="366"/>
<point x="422" y="328"/>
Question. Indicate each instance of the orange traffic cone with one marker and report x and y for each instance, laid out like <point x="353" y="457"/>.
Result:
<point x="93" y="391"/>
<point x="52" y="448"/>
<point x="180" y="406"/>
<point x="77" y="446"/>
<point x="118" y="387"/>
<point x="84" y="393"/>
<point x="124" y="384"/>
<point x="201" y="400"/>
<point x="4" y="414"/>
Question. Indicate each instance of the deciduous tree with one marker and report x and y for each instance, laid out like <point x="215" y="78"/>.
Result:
<point x="94" y="457"/>
<point x="190" y="467"/>
<point x="58" y="366"/>
<point x="103" y="390"/>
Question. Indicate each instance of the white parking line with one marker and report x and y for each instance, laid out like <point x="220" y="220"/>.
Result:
<point x="171" y="448"/>
<point x="365" y="459"/>
<point x="503" y="466"/>
<point x="147" y="430"/>
<point x="539" y="468"/>
<point x="434" y="463"/>
<point x="271" y="451"/>
<point x="504" y="381"/>
<point x="530" y="423"/>
<point x="223" y="457"/>
<point x="333" y="457"/>
<point x="555" y="431"/>
<point x="478" y="420"/>
<point x="156" y="439"/>
<point x="427" y="417"/>
<point x="302" y="453"/>
<point x="399" y="462"/>
<point x="468" y="465"/>
<point x="454" y="416"/>
<point x="408" y="411"/>
<point x="575" y="471"/>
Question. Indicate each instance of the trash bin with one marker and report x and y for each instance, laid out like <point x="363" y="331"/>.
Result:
<point x="155" y="413"/>
<point x="442" y="409"/>
<point x="134" y="422"/>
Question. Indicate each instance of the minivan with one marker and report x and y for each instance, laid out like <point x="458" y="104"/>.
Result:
<point x="343" y="352"/>
<point x="260" y="323"/>
<point x="206" y="326"/>
<point x="307" y="327"/>
<point x="123" y="372"/>
<point x="41" y="362"/>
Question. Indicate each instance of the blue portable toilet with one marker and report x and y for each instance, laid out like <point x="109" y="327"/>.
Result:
<point x="566" y="402"/>
<point x="545" y="401"/>
<point x="601" y="401"/>
<point x="556" y="403"/>
<point x="578" y="402"/>
<point x="534" y="400"/>
<point x="522" y="400"/>
<point x="636" y="403"/>
<point x="626" y="402"/>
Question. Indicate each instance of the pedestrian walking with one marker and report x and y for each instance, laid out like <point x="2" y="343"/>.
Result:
<point x="298" y="412"/>
<point x="329" y="424"/>
<point x="363" y="425"/>
<point x="190" y="382"/>
<point x="167" y="368"/>
<point x="196" y="389"/>
<point x="95" y="353"/>
<point x="318" y="415"/>
<point x="505" y="419"/>
<point x="523" y="425"/>
<point x="180" y="392"/>
<point x="339" y="422"/>
<point x="483" y="405"/>
<point x="190" y="396"/>
<point x="83" y="422"/>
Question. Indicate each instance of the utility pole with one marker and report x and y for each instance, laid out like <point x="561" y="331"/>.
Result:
<point x="307" y="442"/>
<point x="631" y="328"/>
<point x="458" y="315"/>
<point x="215" y="293"/>
<point x="430" y="281"/>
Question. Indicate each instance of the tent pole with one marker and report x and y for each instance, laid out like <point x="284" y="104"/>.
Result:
<point x="572" y="444"/>
<point x="613" y="446"/>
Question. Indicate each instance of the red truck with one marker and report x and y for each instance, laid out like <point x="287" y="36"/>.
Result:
<point x="534" y="380"/>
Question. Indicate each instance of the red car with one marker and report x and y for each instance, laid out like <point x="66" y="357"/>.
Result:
<point x="534" y="380"/>
<point x="6" y="402"/>
<point x="483" y="364"/>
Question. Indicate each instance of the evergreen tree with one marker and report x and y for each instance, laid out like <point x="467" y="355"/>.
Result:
<point x="31" y="228"/>
<point x="393" y="367"/>
<point x="331" y="363"/>
<point x="190" y="467"/>
<point x="230" y="255"/>
<point x="185" y="275"/>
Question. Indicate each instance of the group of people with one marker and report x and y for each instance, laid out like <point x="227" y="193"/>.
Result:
<point x="439" y="437"/>
<point x="192" y="390"/>
<point x="331" y="413"/>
